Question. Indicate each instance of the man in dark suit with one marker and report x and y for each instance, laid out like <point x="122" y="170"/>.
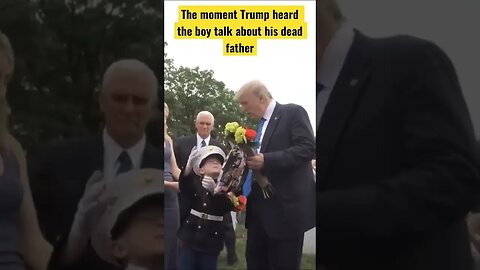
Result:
<point x="276" y="225"/>
<point x="59" y="173"/>
<point x="395" y="152"/>
<point x="204" y="124"/>
<point x="183" y="146"/>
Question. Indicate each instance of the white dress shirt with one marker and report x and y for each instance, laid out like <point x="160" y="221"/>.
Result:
<point x="331" y="65"/>
<point x="267" y="115"/>
<point x="199" y="141"/>
<point x="111" y="152"/>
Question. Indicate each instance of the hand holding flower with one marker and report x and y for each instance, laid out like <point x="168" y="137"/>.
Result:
<point x="255" y="162"/>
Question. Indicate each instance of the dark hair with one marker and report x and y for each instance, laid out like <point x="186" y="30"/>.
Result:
<point x="125" y="218"/>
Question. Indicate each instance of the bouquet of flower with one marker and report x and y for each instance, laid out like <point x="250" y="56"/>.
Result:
<point x="239" y="202"/>
<point x="240" y="135"/>
<point x="233" y="176"/>
<point x="242" y="141"/>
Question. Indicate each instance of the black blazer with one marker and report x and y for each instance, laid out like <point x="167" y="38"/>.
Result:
<point x="202" y="234"/>
<point x="58" y="175"/>
<point x="288" y="148"/>
<point x="183" y="146"/>
<point x="395" y="162"/>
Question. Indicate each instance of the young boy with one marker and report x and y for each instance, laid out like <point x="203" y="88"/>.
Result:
<point x="130" y="233"/>
<point x="201" y="234"/>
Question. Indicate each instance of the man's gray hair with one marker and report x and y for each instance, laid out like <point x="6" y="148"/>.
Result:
<point x="257" y="88"/>
<point x="133" y="66"/>
<point x="207" y="113"/>
<point x="6" y="47"/>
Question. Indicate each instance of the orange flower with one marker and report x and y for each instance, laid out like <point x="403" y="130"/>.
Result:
<point x="242" y="202"/>
<point x="250" y="134"/>
<point x="242" y="199"/>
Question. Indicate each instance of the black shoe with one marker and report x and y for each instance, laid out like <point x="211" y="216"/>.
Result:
<point x="232" y="259"/>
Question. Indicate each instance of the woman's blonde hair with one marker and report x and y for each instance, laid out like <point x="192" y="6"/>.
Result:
<point x="5" y="49"/>
<point x="166" y="112"/>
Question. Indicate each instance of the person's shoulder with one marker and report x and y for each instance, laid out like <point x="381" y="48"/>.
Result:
<point x="291" y="108"/>
<point x="403" y="46"/>
<point x="14" y="146"/>
<point x="184" y="138"/>
<point x="153" y="149"/>
<point x="70" y="146"/>
<point x="76" y="142"/>
<point x="216" y="142"/>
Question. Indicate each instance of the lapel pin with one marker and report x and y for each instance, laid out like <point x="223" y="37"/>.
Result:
<point x="276" y="117"/>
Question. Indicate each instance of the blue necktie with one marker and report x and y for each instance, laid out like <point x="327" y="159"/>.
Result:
<point x="247" y="186"/>
<point x="203" y="144"/>
<point x="125" y="163"/>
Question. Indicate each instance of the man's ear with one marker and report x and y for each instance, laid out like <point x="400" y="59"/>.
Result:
<point x="202" y="171"/>
<point x="119" y="251"/>
<point x="262" y="99"/>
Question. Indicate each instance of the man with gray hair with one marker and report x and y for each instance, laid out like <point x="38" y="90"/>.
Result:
<point x="276" y="225"/>
<point x="60" y="172"/>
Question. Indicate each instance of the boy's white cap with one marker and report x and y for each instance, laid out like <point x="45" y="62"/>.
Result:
<point x="205" y="152"/>
<point x="121" y="193"/>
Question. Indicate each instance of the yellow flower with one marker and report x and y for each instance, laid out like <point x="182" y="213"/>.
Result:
<point x="235" y="201"/>
<point x="240" y="135"/>
<point x="231" y="127"/>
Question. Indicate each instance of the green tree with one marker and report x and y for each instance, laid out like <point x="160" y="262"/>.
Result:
<point x="191" y="90"/>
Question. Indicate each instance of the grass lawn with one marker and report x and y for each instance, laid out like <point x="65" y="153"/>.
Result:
<point x="308" y="261"/>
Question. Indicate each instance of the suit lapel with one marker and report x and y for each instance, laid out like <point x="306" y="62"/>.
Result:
<point x="97" y="151"/>
<point x="347" y="90"/>
<point x="151" y="158"/>
<point x="193" y="143"/>
<point x="272" y="125"/>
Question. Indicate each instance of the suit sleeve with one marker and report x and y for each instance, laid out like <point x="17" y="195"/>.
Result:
<point x="439" y="179"/>
<point x="178" y="151"/>
<point x="302" y="147"/>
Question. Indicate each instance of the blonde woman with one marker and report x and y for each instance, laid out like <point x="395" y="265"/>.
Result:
<point x="22" y="243"/>
<point x="172" y="214"/>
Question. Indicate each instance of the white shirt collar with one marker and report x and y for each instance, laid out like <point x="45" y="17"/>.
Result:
<point x="199" y="140"/>
<point x="113" y="150"/>
<point x="334" y="56"/>
<point x="269" y="111"/>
